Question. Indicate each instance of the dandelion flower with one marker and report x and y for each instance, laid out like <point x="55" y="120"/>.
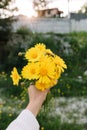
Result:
<point x="15" y="76"/>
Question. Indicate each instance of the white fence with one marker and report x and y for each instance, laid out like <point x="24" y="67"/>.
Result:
<point x="57" y="25"/>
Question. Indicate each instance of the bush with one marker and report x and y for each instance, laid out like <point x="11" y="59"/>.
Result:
<point x="54" y="123"/>
<point x="24" y="31"/>
<point x="5" y="119"/>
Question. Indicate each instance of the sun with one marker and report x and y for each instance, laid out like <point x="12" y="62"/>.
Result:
<point x="25" y="7"/>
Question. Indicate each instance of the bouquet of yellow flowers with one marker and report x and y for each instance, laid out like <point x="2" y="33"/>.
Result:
<point x="43" y="67"/>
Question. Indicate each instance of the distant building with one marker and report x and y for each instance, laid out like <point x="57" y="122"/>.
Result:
<point x="53" y="12"/>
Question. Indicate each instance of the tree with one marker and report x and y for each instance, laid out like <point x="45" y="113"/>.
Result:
<point x="83" y="9"/>
<point x="6" y="18"/>
<point x="40" y="4"/>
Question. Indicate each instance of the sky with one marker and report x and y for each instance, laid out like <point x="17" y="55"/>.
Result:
<point x="25" y="6"/>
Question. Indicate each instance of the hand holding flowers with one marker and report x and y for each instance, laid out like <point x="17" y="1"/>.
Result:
<point x="43" y="67"/>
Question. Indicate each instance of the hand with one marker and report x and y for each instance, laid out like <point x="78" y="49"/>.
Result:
<point x="36" y="99"/>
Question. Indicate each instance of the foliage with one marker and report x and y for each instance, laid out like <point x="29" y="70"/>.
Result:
<point x="48" y="123"/>
<point x="5" y="27"/>
<point x="56" y="124"/>
<point x="6" y="18"/>
<point x="5" y="8"/>
<point x="71" y="47"/>
<point x="73" y="83"/>
<point x="24" y="31"/>
<point x="5" y="119"/>
<point x="83" y="9"/>
<point x="40" y="4"/>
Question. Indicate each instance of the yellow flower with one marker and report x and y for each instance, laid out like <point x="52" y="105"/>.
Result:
<point x="30" y="71"/>
<point x="57" y="73"/>
<point x="44" y="67"/>
<point x="15" y="76"/>
<point x="60" y="63"/>
<point x="42" y="128"/>
<point x="10" y="114"/>
<point x="40" y="46"/>
<point x="42" y="86"/>
<point x="49" y="52"/>
<point x="33" y="54"/>
<point x="53" y="82"/>
<point x="47" y="69"/>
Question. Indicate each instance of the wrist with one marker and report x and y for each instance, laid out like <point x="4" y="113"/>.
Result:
<point x="34" y="108"/>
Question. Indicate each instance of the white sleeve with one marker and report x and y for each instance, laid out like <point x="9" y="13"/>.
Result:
<point x="25" y="121"/>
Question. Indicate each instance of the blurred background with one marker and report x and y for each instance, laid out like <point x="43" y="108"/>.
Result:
<point x="62" y="26"/>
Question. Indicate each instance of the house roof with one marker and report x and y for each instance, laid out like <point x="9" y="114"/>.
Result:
<point x="44" y="10"/>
